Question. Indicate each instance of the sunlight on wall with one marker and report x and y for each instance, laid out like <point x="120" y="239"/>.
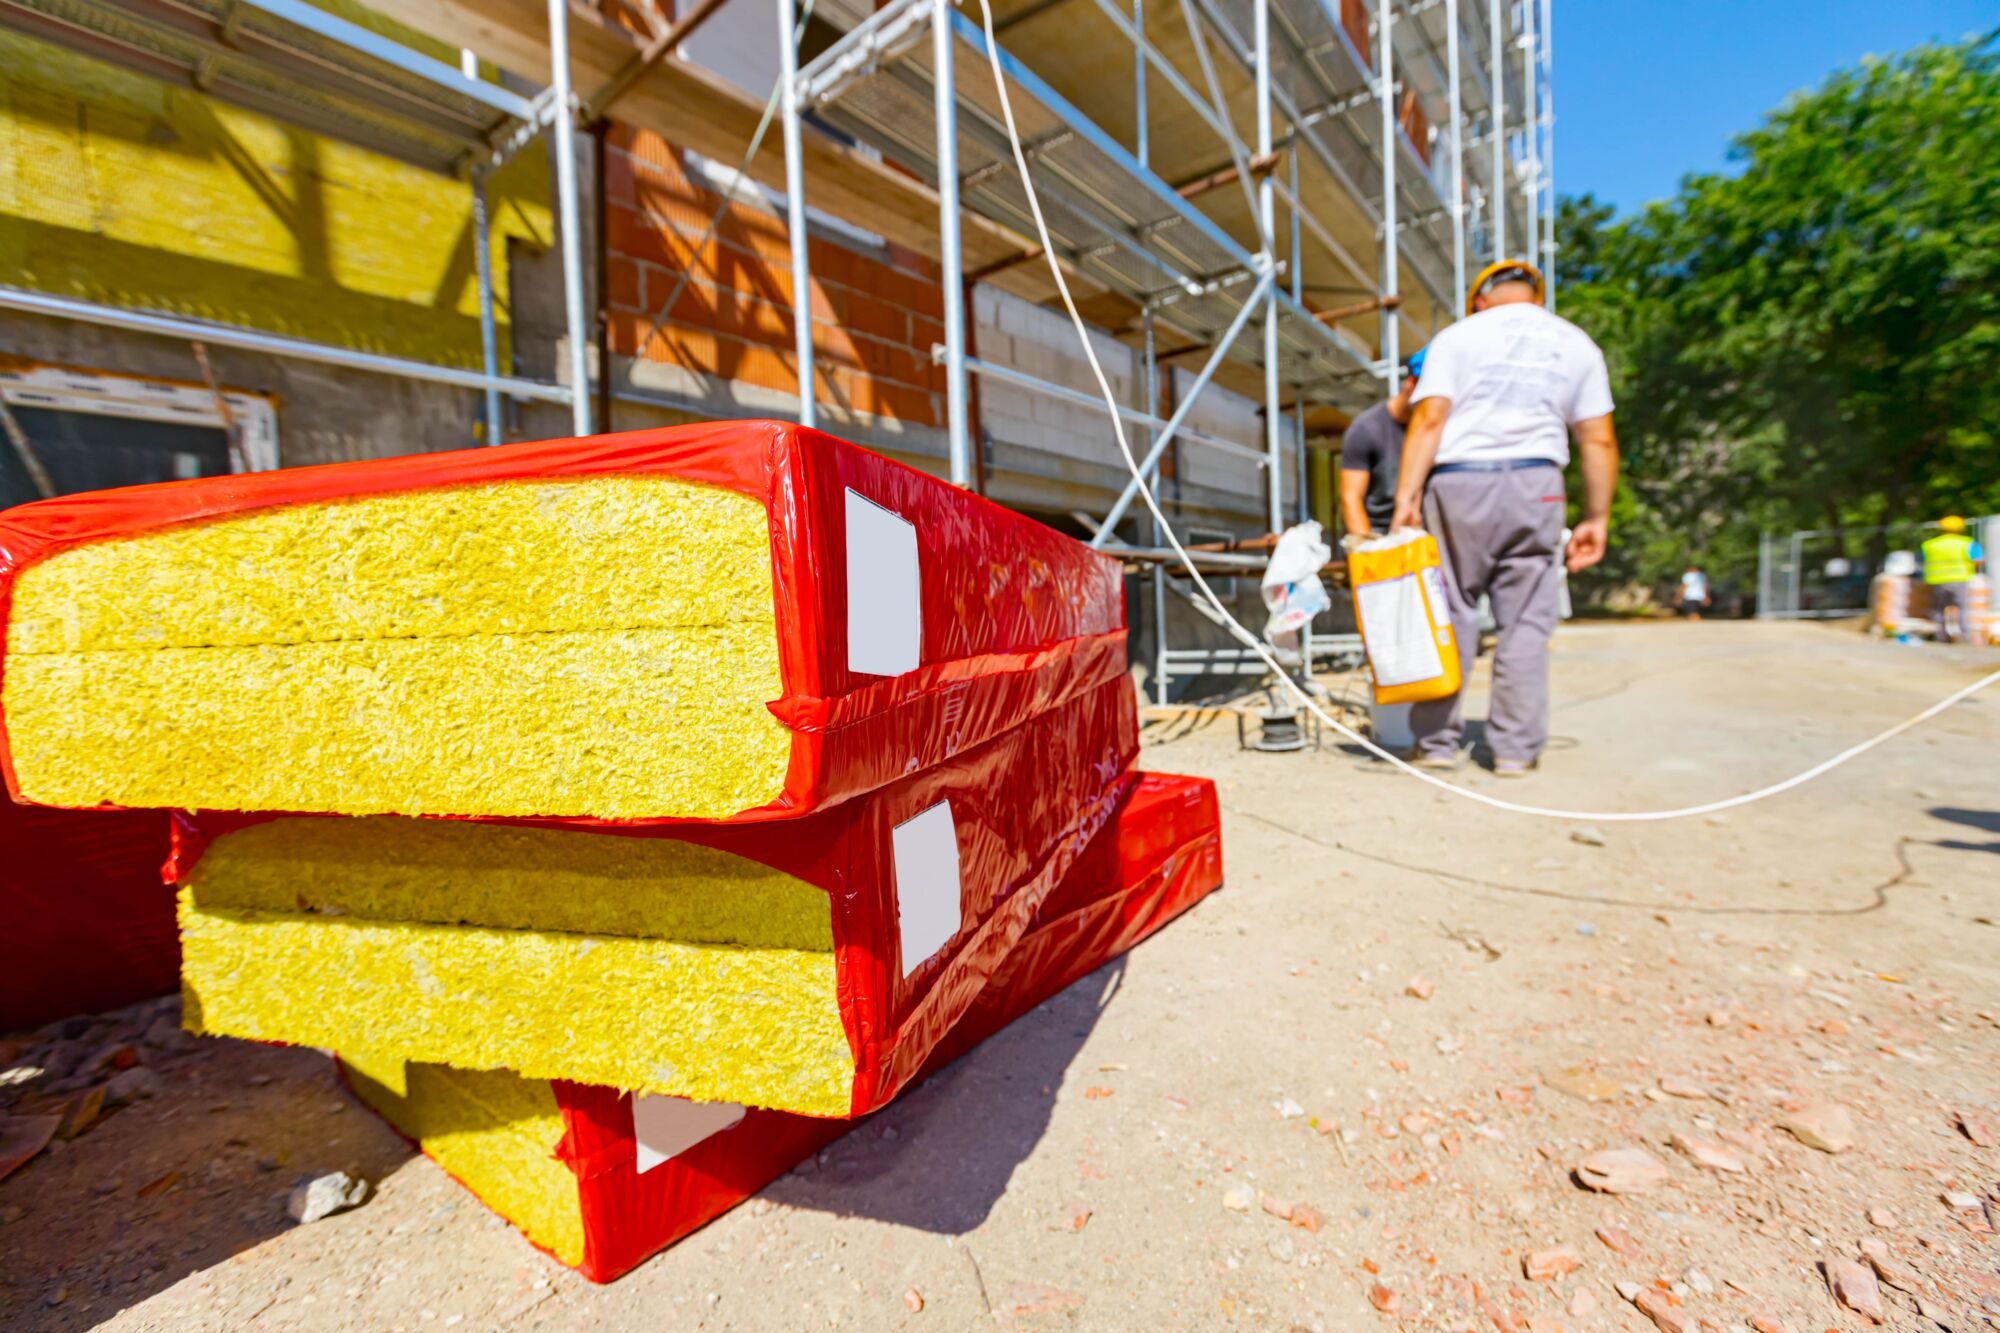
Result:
<point x="124" y="190"/>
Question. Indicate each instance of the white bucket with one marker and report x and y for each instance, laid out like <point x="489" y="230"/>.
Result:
<point x="1389" y="726"/>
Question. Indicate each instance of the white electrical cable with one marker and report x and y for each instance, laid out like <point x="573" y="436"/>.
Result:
<point x="1257" y="646"/>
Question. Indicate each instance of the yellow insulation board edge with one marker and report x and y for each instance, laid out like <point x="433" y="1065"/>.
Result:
<point x="640" y="963"/>
<point x="495" y="1132"/>
<point x="601" y="646"/>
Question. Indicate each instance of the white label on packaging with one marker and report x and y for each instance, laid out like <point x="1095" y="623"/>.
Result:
<point x="1396" y="631"/>
<point x="1434" y="594"/>
<point x="665" y="1127"/>
<point x="927" y="888"/>
<point x="885" y="620"/>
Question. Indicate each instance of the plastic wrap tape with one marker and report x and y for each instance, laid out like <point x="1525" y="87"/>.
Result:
<point x="1013" y="617"/>
<point x="1162" y="854"/>
<point x="1024" y="806"/>
<point x="88" y="925"/>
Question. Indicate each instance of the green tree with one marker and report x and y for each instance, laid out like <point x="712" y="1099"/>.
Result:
<point x="1812" y="338"/>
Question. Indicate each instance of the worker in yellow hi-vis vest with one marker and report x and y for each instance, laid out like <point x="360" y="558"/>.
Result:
<point x="1950" y="560"/>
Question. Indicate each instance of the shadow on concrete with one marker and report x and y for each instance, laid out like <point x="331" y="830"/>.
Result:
<point x="959" y="1135"/>
<point x="175" y="1184"/>
<point x="1985" y="821"/>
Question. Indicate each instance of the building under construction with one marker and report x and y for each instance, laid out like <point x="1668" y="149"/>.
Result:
<point x="237" y="236"/>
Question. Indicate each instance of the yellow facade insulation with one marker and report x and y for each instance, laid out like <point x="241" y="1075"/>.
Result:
<point x="126" y="189"/>
<point x="496" y="1133"/>
<point x="600" y="646"/>
<point x="729" y="999"/>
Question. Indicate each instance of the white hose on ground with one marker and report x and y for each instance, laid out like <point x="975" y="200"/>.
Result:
<point x="1256" y="645"/>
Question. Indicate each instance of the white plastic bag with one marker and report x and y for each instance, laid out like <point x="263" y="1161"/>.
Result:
<point x="1293" y="593"/>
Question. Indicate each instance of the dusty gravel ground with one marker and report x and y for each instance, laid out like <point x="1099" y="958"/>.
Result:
<point x="1840" y="945"/>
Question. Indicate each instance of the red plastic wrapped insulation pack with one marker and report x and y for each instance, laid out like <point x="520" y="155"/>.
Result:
<point x="992" y="831"/>
<point x="914" y="619"/>
<point x="1162" y="854"/>
<point x="88" y="925"/>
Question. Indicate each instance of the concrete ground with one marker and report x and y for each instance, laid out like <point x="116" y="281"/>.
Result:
<point x="1406" y="1020"/>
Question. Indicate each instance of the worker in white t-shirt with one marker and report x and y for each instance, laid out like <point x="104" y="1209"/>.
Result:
<point x="1694" y="592"/>
<point x="1482" y="471"/>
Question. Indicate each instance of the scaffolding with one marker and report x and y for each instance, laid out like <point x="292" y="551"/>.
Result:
<point x="1331" y="178"/>
<point x="891" y="82"/>
<point x="310" y="68"/>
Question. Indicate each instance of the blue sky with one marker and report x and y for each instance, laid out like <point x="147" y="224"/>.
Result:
<point x="1647" y="90"/>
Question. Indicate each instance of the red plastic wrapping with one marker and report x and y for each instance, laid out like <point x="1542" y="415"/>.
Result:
<point x="1024" y="807"/>
<point x="1015" y="616"/>
<point x="1162" y="855"/>
<point x="87" y="924"/>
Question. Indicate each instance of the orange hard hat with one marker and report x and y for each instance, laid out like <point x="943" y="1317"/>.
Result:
<point x="1504" y="270"/>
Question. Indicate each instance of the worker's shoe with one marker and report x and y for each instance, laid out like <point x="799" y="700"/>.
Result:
<point x="1439" y="763"/>
<point x="1514" y="768"/>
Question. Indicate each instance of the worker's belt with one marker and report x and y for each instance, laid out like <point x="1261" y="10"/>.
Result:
<point x="1495" y="465"/>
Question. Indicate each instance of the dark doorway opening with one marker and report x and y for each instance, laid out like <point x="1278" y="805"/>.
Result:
<point x="87" y="451"/>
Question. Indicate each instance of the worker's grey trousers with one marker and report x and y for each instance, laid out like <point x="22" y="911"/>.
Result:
<point x="1501" y="534"/>
<point x="1948" y="610"/>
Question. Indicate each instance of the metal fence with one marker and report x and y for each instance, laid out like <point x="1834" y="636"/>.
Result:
<point x="1824" y="573"/>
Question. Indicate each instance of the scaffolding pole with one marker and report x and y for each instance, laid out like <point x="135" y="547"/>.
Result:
<point x="1303" y="507"/>
<point x="1549" y="152"/>
<point x="1149" y="390"/>
<point x="1497" y="222"/>
<point x="270" y="344"/>
<point x="1385" y="18"/>
<point x="1457" y="112"/>
<point x="1139" y="92"/>
<point x="957" y="435"/>
<point x="564" y="121"/>
<point x="1531" y="149"/>
<point x="795" y="212"/>
<point x="1267" y="213"/>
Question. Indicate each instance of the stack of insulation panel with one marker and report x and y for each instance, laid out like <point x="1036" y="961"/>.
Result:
<point x="630" y="813"/>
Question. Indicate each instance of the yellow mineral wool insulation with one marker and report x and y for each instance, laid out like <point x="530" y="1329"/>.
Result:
<point x="512" y="877"/>
<point x="381" y="654"/>
<point x="653" y="965"/>
<point x="495" y="1132"/>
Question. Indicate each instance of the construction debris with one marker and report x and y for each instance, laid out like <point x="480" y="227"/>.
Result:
<point x="322" y="1196"/>
<point x="1621" y="1171"/>
<point x="1826" y="1126"/>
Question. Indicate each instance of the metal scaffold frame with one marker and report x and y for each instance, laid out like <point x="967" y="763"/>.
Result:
<point x="1149" y="238"/>
<point x="1120" y="223"/>
<point x="376" y="93"/>
<point x="1323" y="96"/>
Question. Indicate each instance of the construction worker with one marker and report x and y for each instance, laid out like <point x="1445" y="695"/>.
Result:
<point x="1694" y="592"/>
<point x="1482" y="471"/>
<point x="1950" y="560"/>
<point x="1371" y="454"/>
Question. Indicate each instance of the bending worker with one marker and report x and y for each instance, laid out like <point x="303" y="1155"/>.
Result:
<point x="1483" y="473"/>
<point x="1371" y="455"/>
<point x="1950" y="560"/>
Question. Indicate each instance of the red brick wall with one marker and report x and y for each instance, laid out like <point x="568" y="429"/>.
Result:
<point x="874" y="319"/>
<point x="1417" y="125"/>
<point x="1354" y="18"/>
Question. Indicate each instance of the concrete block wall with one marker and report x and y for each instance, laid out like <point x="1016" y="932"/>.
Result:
<point x="1209" y="477"/>
<point x="1041" y="341"/>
